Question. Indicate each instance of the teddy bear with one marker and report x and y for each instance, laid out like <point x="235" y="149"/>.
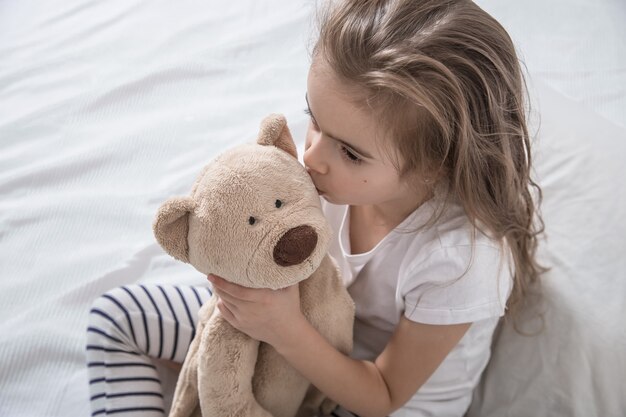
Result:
<point x="254" y="218"/>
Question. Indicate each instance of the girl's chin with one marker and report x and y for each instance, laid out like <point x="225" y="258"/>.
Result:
<point x="330" y="199"/>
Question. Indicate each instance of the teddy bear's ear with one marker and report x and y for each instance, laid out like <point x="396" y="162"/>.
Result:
<point x="171" y="226"/>
<point x="274" y="131"/>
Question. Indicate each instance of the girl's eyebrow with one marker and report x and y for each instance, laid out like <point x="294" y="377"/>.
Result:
<point x="343" y="142"/>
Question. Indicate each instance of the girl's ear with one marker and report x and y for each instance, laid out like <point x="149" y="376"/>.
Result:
<point x="171" y="226"/>
<point x="274" y="131"/>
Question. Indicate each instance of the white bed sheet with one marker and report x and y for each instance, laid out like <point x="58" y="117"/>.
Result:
<point x="108" y="108"/>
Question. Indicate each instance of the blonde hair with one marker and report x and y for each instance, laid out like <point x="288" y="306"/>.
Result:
<point x="444" y="79"/>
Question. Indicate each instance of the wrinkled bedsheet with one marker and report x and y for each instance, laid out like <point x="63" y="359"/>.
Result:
<point x="108" y="108"/>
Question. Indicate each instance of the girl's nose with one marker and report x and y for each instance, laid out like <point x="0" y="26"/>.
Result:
<point x="313" y="154"/>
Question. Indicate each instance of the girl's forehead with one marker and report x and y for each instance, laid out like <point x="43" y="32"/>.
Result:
<point x="324" y="84"/>
<point x="335" y="108"/>
<point x="334" y="104"/>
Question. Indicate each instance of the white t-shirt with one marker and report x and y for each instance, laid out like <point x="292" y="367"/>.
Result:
<point x="427" y="277"/>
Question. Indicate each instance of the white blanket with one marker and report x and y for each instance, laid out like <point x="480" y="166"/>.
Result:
<point x="108" y="108"/>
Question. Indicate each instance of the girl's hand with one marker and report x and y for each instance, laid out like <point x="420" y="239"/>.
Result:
<point x="262" y="314"/>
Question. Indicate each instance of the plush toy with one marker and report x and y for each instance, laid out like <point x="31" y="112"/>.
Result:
<point x="254" y="218"/>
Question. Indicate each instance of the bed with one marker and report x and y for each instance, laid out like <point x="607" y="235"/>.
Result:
<point x="108" y="108"/>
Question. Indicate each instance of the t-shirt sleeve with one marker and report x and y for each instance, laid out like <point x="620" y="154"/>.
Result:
<point x="452" y="285"/>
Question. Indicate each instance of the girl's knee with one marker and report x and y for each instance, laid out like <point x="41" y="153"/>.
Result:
<point x="110" y="318"/>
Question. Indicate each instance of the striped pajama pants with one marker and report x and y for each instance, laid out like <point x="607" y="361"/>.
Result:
<point x="128" y="328"/>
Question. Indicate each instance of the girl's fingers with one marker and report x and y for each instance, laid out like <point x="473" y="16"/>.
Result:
<point x="228" y="315"/>
<point x="227" y="287"/>
<point x="229" y="299"/>
<point x="235" y="291"/>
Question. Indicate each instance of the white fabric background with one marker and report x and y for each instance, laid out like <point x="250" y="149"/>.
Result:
<point x="108" y="108"/>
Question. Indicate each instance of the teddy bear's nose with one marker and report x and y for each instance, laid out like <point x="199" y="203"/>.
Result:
<point x="295" y="246"/>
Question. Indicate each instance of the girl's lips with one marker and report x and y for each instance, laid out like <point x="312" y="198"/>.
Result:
<point x="320" y="192"/>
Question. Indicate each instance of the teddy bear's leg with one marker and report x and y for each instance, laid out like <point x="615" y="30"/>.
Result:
<point x="185" y="402"/>
<point x="186" y="395"/>
<point x="227" y="360"/>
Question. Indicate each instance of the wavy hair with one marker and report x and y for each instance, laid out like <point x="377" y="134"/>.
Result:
<point x="444" y="79"/>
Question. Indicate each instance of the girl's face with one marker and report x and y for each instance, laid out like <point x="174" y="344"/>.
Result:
<point x="343" y="152"/>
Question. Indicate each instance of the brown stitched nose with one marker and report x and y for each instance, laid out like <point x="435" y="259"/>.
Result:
<point x="295" y="246"/>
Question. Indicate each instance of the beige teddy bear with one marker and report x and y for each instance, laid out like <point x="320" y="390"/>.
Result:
<point x="254" y="218"/>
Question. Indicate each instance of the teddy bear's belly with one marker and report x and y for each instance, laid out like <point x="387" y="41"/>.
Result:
<point x="277" y="386"/>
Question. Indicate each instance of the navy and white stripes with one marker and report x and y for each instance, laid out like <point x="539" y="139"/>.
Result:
<point x="127" y="327"/>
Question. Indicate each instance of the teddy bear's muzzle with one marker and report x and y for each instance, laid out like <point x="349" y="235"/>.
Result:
<point x="295" y="246"/>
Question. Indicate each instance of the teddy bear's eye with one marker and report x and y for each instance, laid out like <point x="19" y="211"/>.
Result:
<point x="251" y="220"/>
<point x="278" y="203"/>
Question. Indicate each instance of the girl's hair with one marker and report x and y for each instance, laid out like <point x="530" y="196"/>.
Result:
<point x="444" y="79"/>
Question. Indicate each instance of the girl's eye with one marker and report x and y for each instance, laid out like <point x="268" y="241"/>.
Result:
<point x="349" y="156"/>
<point x="346" y="153"/>
<point x="313" y="122"/>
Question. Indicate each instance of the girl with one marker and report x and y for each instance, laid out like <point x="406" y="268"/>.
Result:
<point x="419" y="149"/>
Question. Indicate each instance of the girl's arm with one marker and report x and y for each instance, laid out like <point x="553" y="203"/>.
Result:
<point x="372" y="388"/>
<point x="367" y="388"/>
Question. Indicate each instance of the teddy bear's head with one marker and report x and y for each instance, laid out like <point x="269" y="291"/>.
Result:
<point x="253" y="216"/>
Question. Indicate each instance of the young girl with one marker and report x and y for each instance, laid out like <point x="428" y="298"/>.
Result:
<point x="418" y="147"/>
